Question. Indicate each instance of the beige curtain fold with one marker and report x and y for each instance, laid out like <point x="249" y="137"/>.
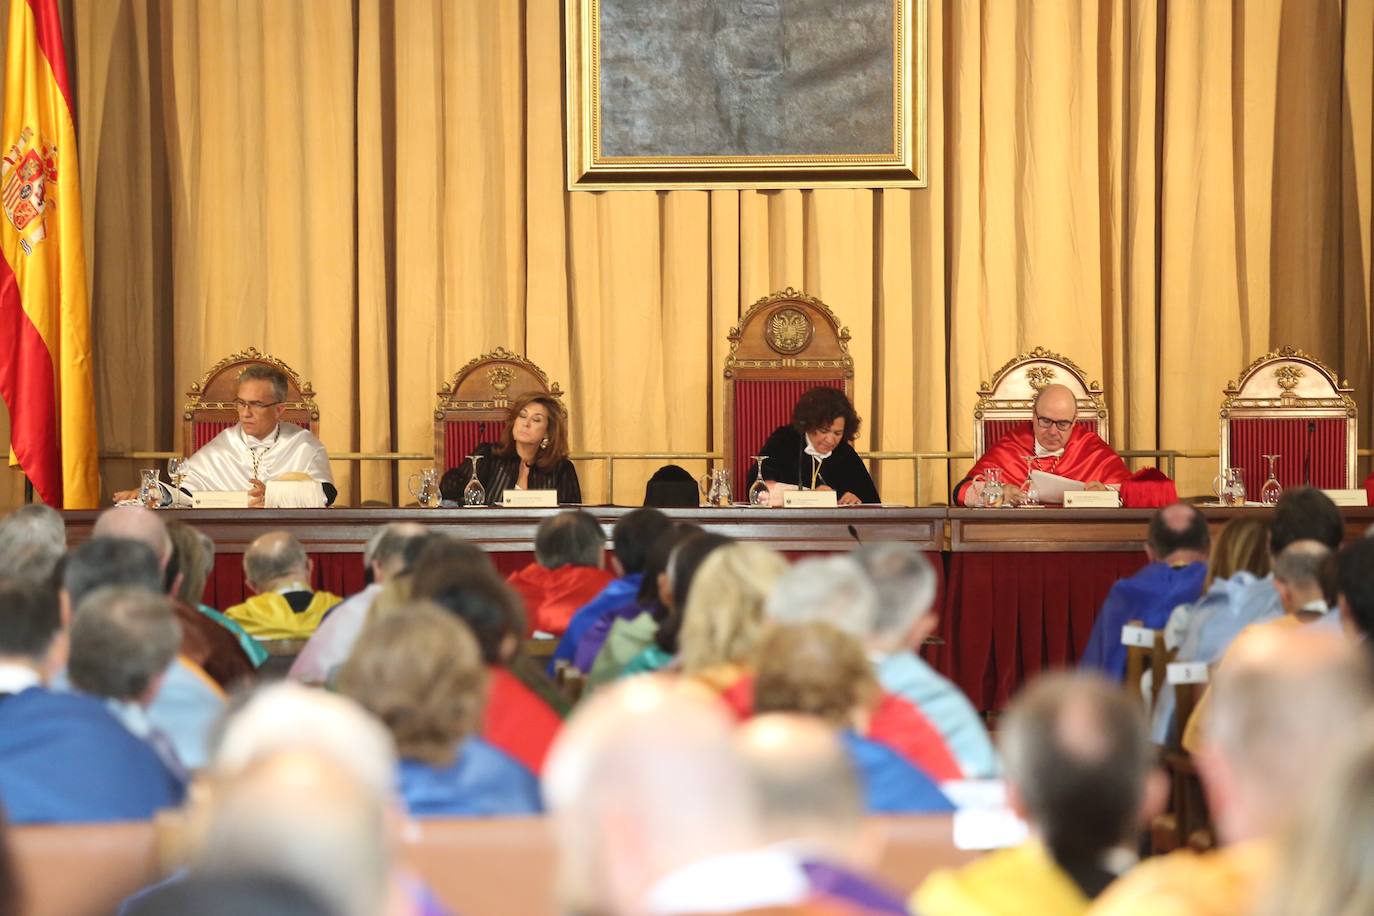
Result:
<point x="373" y="191"/>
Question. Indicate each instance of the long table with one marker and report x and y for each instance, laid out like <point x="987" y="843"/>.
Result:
<point x="1020" y="588"/>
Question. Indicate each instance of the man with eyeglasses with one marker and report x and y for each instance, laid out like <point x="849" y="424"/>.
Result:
<point x="260" y="447"/>
<point x="1052" y="442"/>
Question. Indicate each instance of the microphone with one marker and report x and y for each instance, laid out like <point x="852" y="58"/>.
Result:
<point x="854" y="534"/>
<point x="1307" y="458"/>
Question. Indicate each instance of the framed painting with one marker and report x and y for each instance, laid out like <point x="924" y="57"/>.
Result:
<point x="745" y="93"/>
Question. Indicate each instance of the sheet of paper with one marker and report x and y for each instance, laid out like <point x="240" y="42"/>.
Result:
<point x="1051" y="487"/>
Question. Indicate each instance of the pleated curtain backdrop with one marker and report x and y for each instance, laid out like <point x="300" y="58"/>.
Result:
<point x="373" y="192"/>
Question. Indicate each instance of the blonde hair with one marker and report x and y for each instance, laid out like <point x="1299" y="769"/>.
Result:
<point x="1243" y="544"/>
<point x="420" y="672"/>
<point x="724" y="616"/>
<point x="195" y="558"/>
<point x="814" y="669"/>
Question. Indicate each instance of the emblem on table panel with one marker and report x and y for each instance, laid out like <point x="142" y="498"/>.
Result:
<point x="500" y="378"/>
<point x="1039" y="377"/>
<point x="788" y="331"/>
<point x="25" y="173"/>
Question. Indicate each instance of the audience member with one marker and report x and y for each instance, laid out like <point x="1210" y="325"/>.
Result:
<point x="63" y="756"/>
<point x="194" y="553"/>
<point x="189" y="701"/>
<point x="618" y="639"/>
<point x="333" y="640"/>
<point x="284" y="606"/>
<point x="815" y="669"/>
<point x="203" y="641"/>
<point x="810" y="803"/>
<point x="224" y="895"/>
<point x="683" y="564"/>
<point x="634" y="533"/>
<point x="837" y="591"/>
<point x="723" y="619"/>
<point x="1354" y="573"/>
<point x="568" y="570"/>
<point x="1282" y="701"/>
<point x="420" y="672"/>
<point x="123" y="640"/>
<point x="904" y="585"/>
<point x="1176" y="546"/>
<point x="33" y="539"/>
<point x="1079" y="769"/>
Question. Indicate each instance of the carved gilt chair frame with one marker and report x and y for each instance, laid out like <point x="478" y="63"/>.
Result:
<point x="211" y="399"/>
<point x="1011" y="393"/>
<point x="482" y="392"/>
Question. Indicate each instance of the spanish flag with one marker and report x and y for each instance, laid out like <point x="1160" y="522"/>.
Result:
<point x="45" y="333"/>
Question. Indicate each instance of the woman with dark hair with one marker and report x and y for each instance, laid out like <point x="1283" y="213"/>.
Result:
<point x="673" y="587"/>
<point x="814" y="451"/>
<point x="532" y="455"/>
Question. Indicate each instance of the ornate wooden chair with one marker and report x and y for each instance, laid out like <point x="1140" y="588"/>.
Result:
<point x="786" y="344"/>
<point x="472" y="407"/>
<point x="210" y="402"/>
<point x="1289" y="404"/>
<point x="1005" y="402"/>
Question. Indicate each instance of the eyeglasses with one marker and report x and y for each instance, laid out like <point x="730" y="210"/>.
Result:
<point x="1045" y="423"/>
<point x="255" y="406"/>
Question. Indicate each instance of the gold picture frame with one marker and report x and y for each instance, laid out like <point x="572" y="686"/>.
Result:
<point x="590" y="167"/>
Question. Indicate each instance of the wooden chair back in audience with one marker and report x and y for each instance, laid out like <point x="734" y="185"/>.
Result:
<point x="1154" y="659"/>
<point x="1007" y="401"/>
<point x="785" y="344"/>
<point x="210" y="401"/>
<point x="1289" y="404"/>
<point x="473" y="404"/>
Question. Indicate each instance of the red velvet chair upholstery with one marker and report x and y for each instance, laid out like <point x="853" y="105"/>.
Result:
<point x="786" y="344"/>
<point x="472" y="407"/>
<point x="1289" y="404"/>
<point x="210" y="402"/>
<point x="1005" y="402"/>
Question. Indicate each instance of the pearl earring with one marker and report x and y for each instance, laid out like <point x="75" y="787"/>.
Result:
<point x="544" y="443"/>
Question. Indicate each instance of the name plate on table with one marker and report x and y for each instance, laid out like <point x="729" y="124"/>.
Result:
<point x="1092" y="499"/>
<point x="1188" y="673"/>
<point x="220" y="499"/>
<point x="1348" y="497"/>
<point x="530" y="499"/>
<point x="1143" y="637"/>
<point x="810" y="499"/>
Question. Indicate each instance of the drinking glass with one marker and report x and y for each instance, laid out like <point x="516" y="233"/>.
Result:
<point x="1229" y="487"/>
<point x="1272" y="489"/>
<point x="758" y="490"/>
<point x="719" y="493"/>
<point x="474" y="494"/>
<point x="424" y="486"/>
<point x="149" y="489"/>
<point x="994" y="493"/>
<point x="1032" y="499"/>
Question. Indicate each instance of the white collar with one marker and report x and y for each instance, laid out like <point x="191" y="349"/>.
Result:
<point x="811" y="449"/>
<point x="133" y="716"/>
<point x="16" y="678"/>
<point x="268" y="442"/>
<point x="1042" y="452"/>
<point x="290" y="587"/>
<point x="725" y="884"/>
<point x="1316" y="606"/>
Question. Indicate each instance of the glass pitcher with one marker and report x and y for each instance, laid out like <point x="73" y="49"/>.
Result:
<point x="150" y="488"/>
<point x="994" y="491"/>
<point x="424" y="486"/>
<point x="716" y="487"/>
<point x="1229" y="487"/>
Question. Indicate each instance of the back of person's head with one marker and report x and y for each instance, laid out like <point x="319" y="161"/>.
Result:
<point x="274" y="556"/>
<point x="1241" y="546"/>
<point x="1305" y="514"/>
<point x="656" y="581"/>
<point x="904" y="586"/>
<point x="807" y="789"/>
<point x="634" y="533"/>
<point x="834" y="590"/>
<point x="815" y="669"/>
<point x="420" y="672"/>
<point x="195" y="557"/>
<point x="123" y="640"/>
<point x="304" y="817"/>
<point x="724" y="616"/>
<point x="446" y="561"/>
<point x="386" y="549"/>
<point x="1322" y="864"/>
<point x="135" y="523"/>
<point x="416" y="547"/>
<point x="486" y="614"/>
<point x="1355" y="586"/>
<point x="643" y="780"/>
<point x="33" y="539"/>
<point x="1077" y="756"/>
<point x="229" y="895"/>
<point x="1177" y="528"/>
<point x="30" y="621"/>
<point x="683" y="562"/>
<point x="571" y="538"/>
<point x="105" y="561"/>
<point x="1302" y="574"/>
<point x="460" y="578"/>
<point x="1279" y="702"/>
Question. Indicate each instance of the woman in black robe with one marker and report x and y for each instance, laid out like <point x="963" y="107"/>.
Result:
<point x="814" y="451"/>
<point x="532" y="455"/>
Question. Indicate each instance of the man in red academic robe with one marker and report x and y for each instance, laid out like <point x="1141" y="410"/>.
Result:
<point x="1060" y="447"/>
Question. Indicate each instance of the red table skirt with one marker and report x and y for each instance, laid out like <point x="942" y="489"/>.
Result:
<point x="1009" y="616"/>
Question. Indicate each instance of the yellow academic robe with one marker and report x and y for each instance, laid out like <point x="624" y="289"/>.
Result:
<point x="269" y="616"/>
<point x="1187" y="883"/>
<point x="1022" y="881"/>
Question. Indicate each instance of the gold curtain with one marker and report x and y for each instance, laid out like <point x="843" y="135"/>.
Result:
<point x="373" y="192"/>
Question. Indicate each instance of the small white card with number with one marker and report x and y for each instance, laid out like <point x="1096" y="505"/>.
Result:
<point x="1143" y="637"/>
<point x="1188" y="673"/>
<point x="220" y="499"/>
<point x="1348" y="497"/>
<point x="530" y="499"/>
<point x="809" y="499"/>
<point x="1092" y="499"/>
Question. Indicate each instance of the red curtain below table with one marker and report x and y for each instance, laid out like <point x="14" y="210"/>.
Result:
<point x="1009" y="616"/>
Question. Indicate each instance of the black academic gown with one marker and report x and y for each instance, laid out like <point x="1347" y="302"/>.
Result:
<point x="787" y="462"/>
<point x="499" y="473"/>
